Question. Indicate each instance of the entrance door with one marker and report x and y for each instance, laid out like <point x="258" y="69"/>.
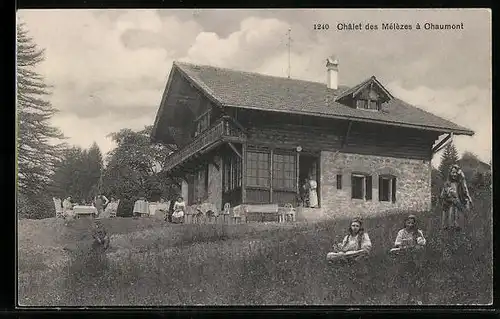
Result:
<point x="309" y="168"/>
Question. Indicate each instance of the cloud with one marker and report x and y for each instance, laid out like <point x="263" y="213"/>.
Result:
<point x="470" y="107"/>
<point x="83" y="132"/>
<point x="240" y="49"/>
<point x="90" y="67"/>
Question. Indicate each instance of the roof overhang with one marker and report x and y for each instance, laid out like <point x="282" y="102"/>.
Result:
<point x="205" y="91"/>
<point x="167" y="138"/>
<point x="440" y="130"/>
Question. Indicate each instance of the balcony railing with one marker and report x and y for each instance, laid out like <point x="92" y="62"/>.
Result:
<point x="223" y="128"/>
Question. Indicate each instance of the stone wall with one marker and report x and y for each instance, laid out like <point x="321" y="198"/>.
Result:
<point x="413" y="183"/>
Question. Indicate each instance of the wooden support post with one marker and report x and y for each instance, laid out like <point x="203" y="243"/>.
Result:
<point x="442" y="144"/>
<point x="244" y="173"/>
<point x="234" y="149"/>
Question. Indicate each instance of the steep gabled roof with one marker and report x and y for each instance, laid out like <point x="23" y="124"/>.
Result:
<point x="356" y="89"/>
<point x="231" y="88"/>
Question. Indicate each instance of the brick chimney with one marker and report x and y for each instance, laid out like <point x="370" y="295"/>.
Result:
<point x="332" y="66"/>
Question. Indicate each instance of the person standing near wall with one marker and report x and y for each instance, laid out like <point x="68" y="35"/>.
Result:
<point x="313" y="194"/>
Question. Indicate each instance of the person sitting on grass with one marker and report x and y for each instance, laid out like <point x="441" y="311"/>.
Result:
<point x="410" y="277"/>
<point x="179" y="210"/>
<point x="355" y="268"/>
<point x="100" y="235"/>
<point x="410" y="236"/>
<point x="356" y="240"/>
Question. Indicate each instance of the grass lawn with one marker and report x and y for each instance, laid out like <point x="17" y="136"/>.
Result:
<point x="155" y="263"/>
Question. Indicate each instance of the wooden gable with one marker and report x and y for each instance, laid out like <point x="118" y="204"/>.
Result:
<point x="181" y="106"/>
<point x="369" y="94"/>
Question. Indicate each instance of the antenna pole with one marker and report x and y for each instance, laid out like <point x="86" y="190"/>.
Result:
<point x="289" y="47"/>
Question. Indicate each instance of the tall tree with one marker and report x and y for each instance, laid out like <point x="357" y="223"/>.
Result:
<point x="449" y="157"/>
<point x="69" y="174"/>
<point x="93" y="164"/>
<point x="134" y="169"/>
<point x="78" y="174"/>
<point x="36" y="150"/>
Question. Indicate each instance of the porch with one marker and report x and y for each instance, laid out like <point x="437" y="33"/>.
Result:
<point x="223" y="131"/>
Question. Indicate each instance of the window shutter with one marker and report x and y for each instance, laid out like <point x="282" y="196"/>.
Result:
<point x="368" y="182"/>
<point x="380" y="188"/>
<point x="394" y="190"/>
<point x="339" y="181"/>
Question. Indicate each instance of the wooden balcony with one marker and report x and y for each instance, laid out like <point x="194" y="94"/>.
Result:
<point x="224" y="130"/>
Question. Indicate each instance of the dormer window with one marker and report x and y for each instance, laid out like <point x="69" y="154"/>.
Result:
<point x="368" y="104"/>
<point x="368" y="95"/>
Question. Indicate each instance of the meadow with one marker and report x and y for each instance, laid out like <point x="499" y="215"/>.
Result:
<point x="152" y="262"/>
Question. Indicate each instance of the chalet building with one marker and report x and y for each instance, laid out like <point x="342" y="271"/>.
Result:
<point x="248" y="138"/>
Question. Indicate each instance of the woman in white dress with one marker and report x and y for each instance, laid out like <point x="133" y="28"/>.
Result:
<point x="179" y="210"/>
<point x="67" y="206"/>
<point x="313" y="194"/>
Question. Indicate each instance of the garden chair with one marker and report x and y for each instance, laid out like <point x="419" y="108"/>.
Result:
<point x="225" y="212"/>
<point x="114" y="209"/>
<point x="59" y="208"/>
<point x="238" y="211"/>
<point x="289" y="212"/>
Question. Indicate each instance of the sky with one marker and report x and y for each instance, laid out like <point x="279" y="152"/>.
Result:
<point x="109" y="68"/>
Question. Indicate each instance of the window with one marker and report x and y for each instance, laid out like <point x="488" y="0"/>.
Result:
<point x="232" y="173"/>
<point x="361" y="104"/>
<point x="202" y="123"/>
<point x="373" y="105"/>
<point x="339" y="181"/>
<point x="361" y="186"/>
<point x="284" y="171"/>
<point x="367" y="104"/>
<point x="387" y="188"/>
<point x="257" y="169"/>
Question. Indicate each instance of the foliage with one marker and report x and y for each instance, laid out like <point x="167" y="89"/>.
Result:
<point x="133" y="169"/>
<point x="477" y="173"/>
<point x="448" y="158"/>
<point x="437" y="182"/>
<point x="36" y="151"/>
<point x="78" y="174"/>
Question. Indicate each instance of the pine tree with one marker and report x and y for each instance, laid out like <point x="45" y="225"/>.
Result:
<point x="78" y="174"/>
<point x="449" y="157"/>
<point x="36" y="151"/>
<point x="94" y="166"/>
